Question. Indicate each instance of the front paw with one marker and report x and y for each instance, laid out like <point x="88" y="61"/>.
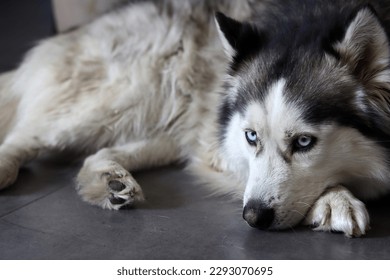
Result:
<point x="8" y="173"/>
<point x="110" y="187"/>
<point x="122" y="191"/>
<point x="338" y="210"/>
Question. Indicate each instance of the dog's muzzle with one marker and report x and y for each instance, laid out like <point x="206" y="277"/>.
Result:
<point x="258" y="215"/>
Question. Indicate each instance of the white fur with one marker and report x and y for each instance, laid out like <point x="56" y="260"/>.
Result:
<point x="292" y="188"/>
<point x="140" y="88"/>
<point x="148" y="81"/>
<point x="338" y="210"/>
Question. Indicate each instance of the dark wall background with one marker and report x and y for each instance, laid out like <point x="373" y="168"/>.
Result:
<point x="22" y="24"/>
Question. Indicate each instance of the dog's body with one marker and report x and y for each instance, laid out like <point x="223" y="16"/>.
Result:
<point x="291" y="111"/>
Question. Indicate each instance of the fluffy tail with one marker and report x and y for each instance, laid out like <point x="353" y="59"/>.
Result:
<point x="8" y="104"/>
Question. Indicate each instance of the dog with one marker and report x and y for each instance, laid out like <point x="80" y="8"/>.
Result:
<point x="284" y="104"/>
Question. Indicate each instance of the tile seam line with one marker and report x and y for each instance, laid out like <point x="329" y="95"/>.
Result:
<point x="31" y="202"/>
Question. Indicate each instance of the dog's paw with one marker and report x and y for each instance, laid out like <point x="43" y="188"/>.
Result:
<point x="8" y="174"/>
<point x="110" y="188"/>
<point x="338" y="210"/>
<point x="123" y="191"/>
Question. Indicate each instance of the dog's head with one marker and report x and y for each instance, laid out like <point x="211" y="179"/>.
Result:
<point x="305" y="109"/>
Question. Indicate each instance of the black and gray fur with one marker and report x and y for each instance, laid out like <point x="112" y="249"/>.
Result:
<point x="151" y="84"/>
<point x="334" y="60"/>
<point x="292" y="39"/>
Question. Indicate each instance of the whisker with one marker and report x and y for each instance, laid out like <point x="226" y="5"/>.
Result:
<point x="304" y="203"/>
<point x="299" y="213"/>
<point x="309" y="195"/>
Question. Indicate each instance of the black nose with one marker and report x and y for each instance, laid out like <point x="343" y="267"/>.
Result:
<point x="258" y="215"/>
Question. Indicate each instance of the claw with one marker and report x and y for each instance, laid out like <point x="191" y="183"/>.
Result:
<point x="117" y="200"/>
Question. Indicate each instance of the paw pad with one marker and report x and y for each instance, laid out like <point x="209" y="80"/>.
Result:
<point x="116" y="186"/>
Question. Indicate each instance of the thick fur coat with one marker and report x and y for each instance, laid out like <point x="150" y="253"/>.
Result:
<point x="282" y="103"/>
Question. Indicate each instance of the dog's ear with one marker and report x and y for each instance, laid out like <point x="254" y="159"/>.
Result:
<point x="365" y="51"/>
<point x="229" y="31"/>
<point x="365" y="47"/>
<point x="240" y="40"/>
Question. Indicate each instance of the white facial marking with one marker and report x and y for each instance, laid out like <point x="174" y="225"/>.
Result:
<point x="292" y="186"/>
<point x="268" y="120"/>
<point x="360" y="100"/>
<point x="275" y="117"/>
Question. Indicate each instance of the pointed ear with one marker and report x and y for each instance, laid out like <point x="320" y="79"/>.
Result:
<point x="365" y="51"/>
<point x="238" y="39"/>
<point x="365" y="48"/>
<point x="229" y="31"/>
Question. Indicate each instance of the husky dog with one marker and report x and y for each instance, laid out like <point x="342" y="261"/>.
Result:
<point x="285" y="104"/>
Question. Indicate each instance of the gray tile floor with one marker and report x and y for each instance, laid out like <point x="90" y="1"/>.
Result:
<point x="41" y="216"/>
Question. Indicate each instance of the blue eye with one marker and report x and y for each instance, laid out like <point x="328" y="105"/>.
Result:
<point x="304" y="143"/>
<point x="251" y="137"/>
